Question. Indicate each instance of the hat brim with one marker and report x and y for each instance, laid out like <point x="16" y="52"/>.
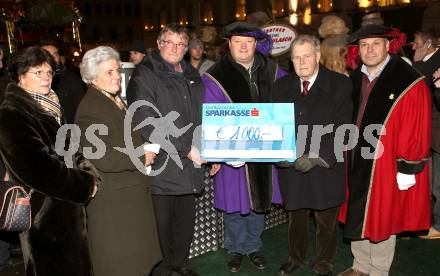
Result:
<point x="242" y="29"/>
<point x="370" y="31"/>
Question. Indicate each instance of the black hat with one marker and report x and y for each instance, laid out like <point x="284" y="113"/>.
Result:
<point x="370" y="30"/>
<point x="243" y="29"/>
<point x="137" y="46"/>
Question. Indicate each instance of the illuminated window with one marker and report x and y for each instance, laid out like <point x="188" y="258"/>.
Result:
<point x="183" y="18"/>
<point x="324" y="5"/>
<point x="278" y="8"/>
<point x="240" y="13"/>
<point x="207" y="16"/>
<point x="384" y="3"/>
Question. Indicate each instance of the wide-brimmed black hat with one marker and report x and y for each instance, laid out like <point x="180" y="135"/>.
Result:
<point x="137" y="46"/>
<point x="370" y="30"/>
<point x="243" y="29"/>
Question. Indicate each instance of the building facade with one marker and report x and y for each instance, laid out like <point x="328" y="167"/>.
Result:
<point x="121" y="22"/>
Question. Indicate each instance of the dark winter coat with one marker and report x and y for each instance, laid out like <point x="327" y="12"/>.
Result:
<point x="427" y="68"/>
<point x="328" y="102"/>
<point x="255" y="185"/>
<point x="56" y="244"/>
<point x="120" y="218"/>
<point x="69" y="89"/>
<point x="178" y="103"/>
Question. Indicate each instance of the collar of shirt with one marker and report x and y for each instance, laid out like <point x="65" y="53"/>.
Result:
<point x="425" y="59"/>
<point x="170" y="67"/>
<point x="372" y="77"/>
<point x="311" y="80"/>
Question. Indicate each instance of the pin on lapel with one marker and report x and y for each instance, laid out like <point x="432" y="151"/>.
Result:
<point x="391" y="97"/>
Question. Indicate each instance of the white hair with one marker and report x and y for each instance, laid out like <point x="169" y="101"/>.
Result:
<point x="89" y="67"/>
<point x="301" y="39"/>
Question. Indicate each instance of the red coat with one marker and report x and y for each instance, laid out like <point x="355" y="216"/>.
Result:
<point x="376" y="208"/>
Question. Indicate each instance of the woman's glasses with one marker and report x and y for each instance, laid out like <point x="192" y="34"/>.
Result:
<point x="40" y="73"/>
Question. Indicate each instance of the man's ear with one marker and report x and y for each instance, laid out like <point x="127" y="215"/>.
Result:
<point x="158" y="44"/>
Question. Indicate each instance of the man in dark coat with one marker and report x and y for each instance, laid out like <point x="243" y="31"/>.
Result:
<point x="316" y="180"/>
<point x="243" y="191"/>
<point x="66" y="84"/>
<point x="388" y="176"/>
<point x="427" y="60"/>
<point x="174" y="92"/>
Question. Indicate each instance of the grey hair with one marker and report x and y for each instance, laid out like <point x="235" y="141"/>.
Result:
<point x="177" y="29"/>
<point x="301" y="39"/>
<point x="174" y="28"/>
<point x="89" y="67"/>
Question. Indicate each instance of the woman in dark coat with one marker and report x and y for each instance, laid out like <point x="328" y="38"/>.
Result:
<point x="56" y="244"/>
<point x="121" y="222"/>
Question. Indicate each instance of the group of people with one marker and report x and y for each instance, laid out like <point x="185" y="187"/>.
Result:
<point x="105" y="216"/>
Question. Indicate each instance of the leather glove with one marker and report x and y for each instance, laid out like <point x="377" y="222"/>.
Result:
<point x="284" y="164"/>
<point x="305" y="163"/>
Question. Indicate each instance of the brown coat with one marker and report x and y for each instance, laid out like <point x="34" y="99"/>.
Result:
<point x="121" y="221"/>
<point x="56" y="244"/>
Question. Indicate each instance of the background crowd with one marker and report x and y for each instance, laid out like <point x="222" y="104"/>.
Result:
<point x="104" y="216"/>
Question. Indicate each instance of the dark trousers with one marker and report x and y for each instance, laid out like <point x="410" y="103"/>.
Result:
<point x="326" y="237"/>
<point x="175" y="219"/>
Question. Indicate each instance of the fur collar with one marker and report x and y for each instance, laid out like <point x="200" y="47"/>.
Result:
<point x="230" y="77"/>
<point x="15" y="98"/>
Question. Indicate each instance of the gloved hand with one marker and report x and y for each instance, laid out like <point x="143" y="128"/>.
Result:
<point x="405" y="181"/>
<point x="306" y="163"/>
<point x="235" y="164"/>
<point x="284" y="164"/>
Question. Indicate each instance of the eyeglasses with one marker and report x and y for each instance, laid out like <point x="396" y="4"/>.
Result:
<point x="171" y="44"/>
<point x="40" y="73"/>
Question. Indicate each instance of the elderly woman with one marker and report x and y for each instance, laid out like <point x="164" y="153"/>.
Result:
<point x="121" y="222"/>
<point x="56" y="244"/>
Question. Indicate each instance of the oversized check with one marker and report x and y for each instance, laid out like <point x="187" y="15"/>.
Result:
<point x="250" y="132"/>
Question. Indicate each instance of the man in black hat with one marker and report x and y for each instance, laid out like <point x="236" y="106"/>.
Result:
<point x="243" y="191"/>
<point x="388" y="175"/>
<point x="137" y="52"/>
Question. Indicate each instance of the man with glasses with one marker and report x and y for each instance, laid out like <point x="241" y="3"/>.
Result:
<point x="175" y="89"/>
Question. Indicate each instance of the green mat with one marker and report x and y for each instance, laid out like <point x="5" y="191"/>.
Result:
<point x="413" y="257"/>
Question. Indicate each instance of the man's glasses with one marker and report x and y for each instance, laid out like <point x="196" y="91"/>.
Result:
<point x="171" y="44"/>
<point x="41" y="73"/>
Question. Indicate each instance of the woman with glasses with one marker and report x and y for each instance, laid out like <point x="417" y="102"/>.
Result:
<point x="120" y="222"/>
<point x="56" y="243"/>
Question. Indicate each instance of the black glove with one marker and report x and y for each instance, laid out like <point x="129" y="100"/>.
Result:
<point x="306" y="163"/>
<point x="284" y="164"/>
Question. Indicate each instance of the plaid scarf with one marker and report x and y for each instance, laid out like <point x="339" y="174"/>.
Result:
<point x="49" y="103"/>
<point x="114" y="98"/>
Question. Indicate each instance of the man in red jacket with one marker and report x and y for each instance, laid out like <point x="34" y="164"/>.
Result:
<point x="388" y="174"/>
